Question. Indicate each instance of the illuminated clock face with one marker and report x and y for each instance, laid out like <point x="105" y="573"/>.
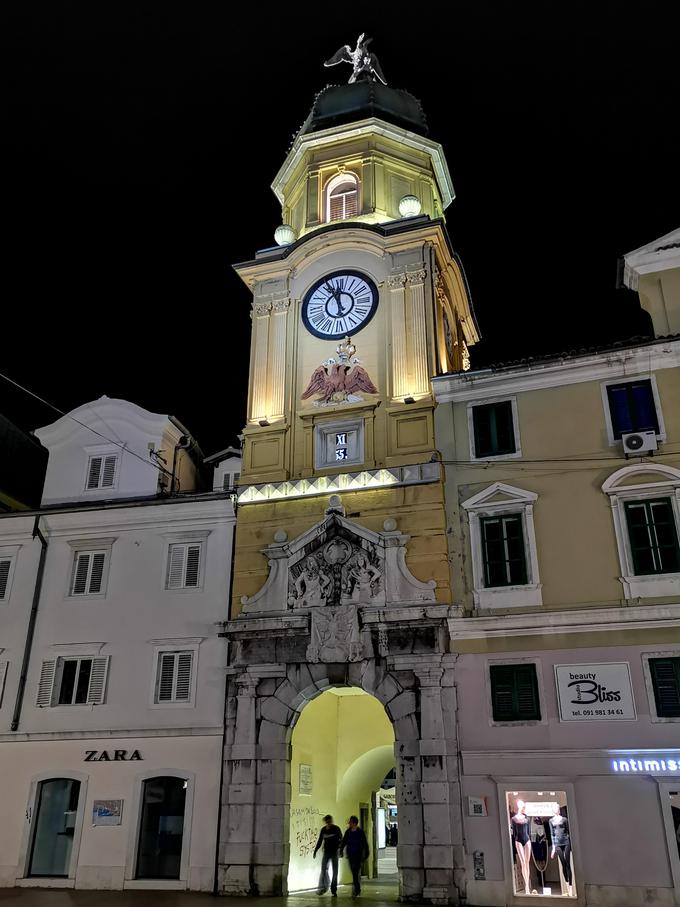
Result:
<point x="339" y="304"/>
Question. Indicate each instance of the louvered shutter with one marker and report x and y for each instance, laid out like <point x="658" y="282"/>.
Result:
<point x="4" y="576"/>
<point x="227" y="481"/>
<point x="193" y="565"/>
<point x="666" y="682"/>
<point x="183" y="686"/>
<point x="81" y="566"/>
<point x="176" y="566"/>
<point x="97" y="689"/>
<point x="94" y="472"/>
<point x="502" y="690"/>
<point x="95" y="584"/>
<point x="526" y="689"/>
<point x="166" y="674"/>
<point x="3" y="675"/>
<point x="46" y="682"/>
<point x="109" y="472"/>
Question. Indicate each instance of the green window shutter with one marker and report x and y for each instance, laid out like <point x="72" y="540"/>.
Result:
<point x="514" y="693"/>
<point x="494" y="432"/>
<point x="666" y="682"/>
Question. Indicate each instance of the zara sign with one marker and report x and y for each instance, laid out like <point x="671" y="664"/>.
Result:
<point x="595" y="692"/>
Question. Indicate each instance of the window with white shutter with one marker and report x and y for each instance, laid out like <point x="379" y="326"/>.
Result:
<point x="174" y="677"/>
<point x="5" y="564"/>
<point x="3" y="675"/>
<point x="73" y="681"/>
<point x="88" y="572"/>
<point x="101" y="471"/>
<point x="184" y="566"/>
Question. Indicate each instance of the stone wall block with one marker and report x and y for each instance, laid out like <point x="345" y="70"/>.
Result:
<point x="440" y="878"/>
<point x="274" y="710"/>
<point x="273" y="793"/>
<point x="387" y="689"/>
<point x="459" y="856"/>
<point x="411" y="885"/>
<point x="236" y="853"/>
<point x="437" y="857"/>
<point x="409" y="793"/>
<point x="234" y="879"/>
<point x="433" y="768"/>
<point x="269" y="881"/>
<point x="452" y="766"/>
<point x="318" y="672"/>
<point x="273" y="815"/>
<point x="241" y="793"/>
<point x="273" y="770"/>
<point x="271" y="853"/>
<point x="411" y="825"/>
<point x="286" y="692"/>
<point x="271" y="733"/>
<point x="267" y="686"/>
<point x="437" y="823"/>
<point x="409" y="856"/>
<point x="406" y="730"/>
<point x="238" y="823"/>
<point x="408" y="770"/>
<point x="243" y="771"/>
<point x="300" y="676"/>
<point x="402" y="705"/>
<point x="434" y="792"/>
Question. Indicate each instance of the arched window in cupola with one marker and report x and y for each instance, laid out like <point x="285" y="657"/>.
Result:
<point x="342" y="197"/>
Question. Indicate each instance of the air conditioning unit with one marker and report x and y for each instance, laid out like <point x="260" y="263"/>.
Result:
<point x="639" y="442"/>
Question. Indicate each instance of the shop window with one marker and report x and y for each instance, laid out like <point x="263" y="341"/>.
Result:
<point x="514" y="692"/>
<point x="653" y="536"/>
<point x="493" y="427"/>
<point x="540" y="843"/>
<point x="632" y="407"/>
<point x="161" y="828"/>
<point x="503" y="550"/>
<point x="665" y="675"/>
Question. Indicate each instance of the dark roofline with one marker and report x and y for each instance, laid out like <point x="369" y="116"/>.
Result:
<point x="391" y="228"/>
<point x="146" y="501"/>
<point x="546" y="359"/>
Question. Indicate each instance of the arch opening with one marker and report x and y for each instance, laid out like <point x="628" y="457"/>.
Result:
<point x="342" y="749"/>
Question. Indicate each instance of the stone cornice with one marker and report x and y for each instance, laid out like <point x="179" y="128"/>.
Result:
<point x="608" y="365"/>
<point x="542" y="623"/>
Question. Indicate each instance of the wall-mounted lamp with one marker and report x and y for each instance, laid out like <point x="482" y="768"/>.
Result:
<point x="264" y="422"/>
<point x="409" y="400"/>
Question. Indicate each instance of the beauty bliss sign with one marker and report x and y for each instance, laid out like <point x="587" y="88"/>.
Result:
<point x="595" y="692"/>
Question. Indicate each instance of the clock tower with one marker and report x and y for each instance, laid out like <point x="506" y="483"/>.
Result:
<point x="341" y="531"/>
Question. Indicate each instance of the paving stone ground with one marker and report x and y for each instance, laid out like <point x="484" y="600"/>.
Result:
<point x="379" y="892"/>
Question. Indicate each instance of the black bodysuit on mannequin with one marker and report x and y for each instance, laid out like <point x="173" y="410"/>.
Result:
<point x="520" y="827"/>
<point x="559" y="829"/>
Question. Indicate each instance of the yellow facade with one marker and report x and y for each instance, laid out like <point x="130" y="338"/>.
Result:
<point x="422" y="326"/>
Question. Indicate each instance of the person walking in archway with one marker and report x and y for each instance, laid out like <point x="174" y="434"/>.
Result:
<point x="355" y="844"/>
<point x="330" y="837"/>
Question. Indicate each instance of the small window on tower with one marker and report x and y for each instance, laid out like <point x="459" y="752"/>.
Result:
<point x="342" y="197"/>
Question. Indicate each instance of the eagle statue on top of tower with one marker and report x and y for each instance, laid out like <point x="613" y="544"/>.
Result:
<point x="365" y="66"/>
<point x="340" y="381"/>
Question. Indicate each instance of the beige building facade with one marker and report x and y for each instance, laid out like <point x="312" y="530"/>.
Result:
<point x="563" y="517"/>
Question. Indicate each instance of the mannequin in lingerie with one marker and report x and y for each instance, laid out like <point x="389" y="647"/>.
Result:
<point x="520" y="829"/>
<point x="561" y="844"/>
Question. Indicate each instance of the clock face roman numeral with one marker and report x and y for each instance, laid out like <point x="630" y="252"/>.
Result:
<point x="339" y="304"/>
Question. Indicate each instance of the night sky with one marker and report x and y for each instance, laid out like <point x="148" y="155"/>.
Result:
<point x="138" y="143"/>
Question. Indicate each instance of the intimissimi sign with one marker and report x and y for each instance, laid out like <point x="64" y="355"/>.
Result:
<point x="657" y="765"/>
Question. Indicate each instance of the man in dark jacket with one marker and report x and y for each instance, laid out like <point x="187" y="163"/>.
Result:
<point x="330" y="837"/>
<point x="355" y="844"/>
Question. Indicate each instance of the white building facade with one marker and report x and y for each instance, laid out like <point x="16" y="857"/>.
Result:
<point x="111" y="672"/>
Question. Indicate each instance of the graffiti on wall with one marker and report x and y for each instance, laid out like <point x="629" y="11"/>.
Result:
<point x="305" y="825"/>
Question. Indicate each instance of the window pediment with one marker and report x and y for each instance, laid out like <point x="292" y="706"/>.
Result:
<point x="499" y="495"/>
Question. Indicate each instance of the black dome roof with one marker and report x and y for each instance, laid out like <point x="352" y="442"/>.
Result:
<point x="338" y="104"/>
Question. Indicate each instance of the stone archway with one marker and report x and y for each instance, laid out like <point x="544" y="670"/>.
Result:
<point x="391" y="643"/>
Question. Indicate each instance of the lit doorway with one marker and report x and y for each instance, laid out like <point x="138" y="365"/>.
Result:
<point x="342" y="750"/>
<point x="54" y="828"/>
<point x="161" y="830"/>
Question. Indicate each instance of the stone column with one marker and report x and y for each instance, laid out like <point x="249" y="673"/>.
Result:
<point x="420" y="372"/>
<point x="400" y="387"/>
<point x="277" y="357"/>
<point x="436" y="790"/>
<point x="258" y="403"/>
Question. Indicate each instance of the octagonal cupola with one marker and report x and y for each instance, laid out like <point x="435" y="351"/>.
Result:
<point x="362" y="154"/>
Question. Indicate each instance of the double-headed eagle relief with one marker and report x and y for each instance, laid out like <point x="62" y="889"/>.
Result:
<point x="365" y="66"/>
<point x="341" y="380"/>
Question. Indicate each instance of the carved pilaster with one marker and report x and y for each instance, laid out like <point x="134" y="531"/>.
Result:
<point x="261" y="314"/>
<point x="246" y="687"/>
<point x="277" y="356"/>
<point x="420" y="372"/>
<point x="396" y="283"/>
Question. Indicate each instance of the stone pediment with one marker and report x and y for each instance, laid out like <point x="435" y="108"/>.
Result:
<point x="337" y="563"/>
